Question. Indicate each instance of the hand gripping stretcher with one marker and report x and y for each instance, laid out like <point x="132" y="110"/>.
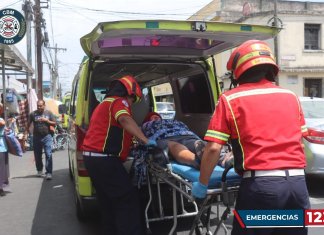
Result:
<point x="222" y="189"/>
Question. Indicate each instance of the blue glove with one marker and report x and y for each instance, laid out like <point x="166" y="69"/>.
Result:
<point x="151" y="143"/>
<point x="199" y="190"/>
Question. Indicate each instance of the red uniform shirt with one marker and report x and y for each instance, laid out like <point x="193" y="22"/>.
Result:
<point x="265" y="124"/>
<point x="105" y="134"/>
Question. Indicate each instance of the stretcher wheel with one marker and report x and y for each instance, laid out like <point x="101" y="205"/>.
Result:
<point x="199" y="229"/>
<point x="148" y="231"/>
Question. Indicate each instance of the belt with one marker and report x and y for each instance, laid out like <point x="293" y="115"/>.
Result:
<point x="287" y="172"/>
<point x="93" y="154"/>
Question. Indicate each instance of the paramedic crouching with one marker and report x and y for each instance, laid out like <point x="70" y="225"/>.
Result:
<point x="265" y="124"/>
<point x="105" y="147"/>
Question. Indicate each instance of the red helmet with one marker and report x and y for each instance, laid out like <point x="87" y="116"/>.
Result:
<point x="132" y="87"/>
<point x="249" y="54"/>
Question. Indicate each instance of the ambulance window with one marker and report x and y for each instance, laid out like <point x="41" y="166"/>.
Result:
<point x="194" y="94"/>
<point x="164" y="101"/>
<point x="74" y="98"/>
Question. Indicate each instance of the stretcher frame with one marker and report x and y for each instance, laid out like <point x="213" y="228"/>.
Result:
<point x="224" y="195"/>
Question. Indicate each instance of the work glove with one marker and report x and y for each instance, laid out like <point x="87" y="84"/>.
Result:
<point x="151" y="143"/>
<point x="199" y="190"/>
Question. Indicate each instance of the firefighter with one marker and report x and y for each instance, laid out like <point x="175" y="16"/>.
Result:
<point x="265" y="125"/>
<point x="105" y="147"/>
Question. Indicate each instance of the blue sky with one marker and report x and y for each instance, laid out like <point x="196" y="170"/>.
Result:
<point x="68" y="20"/>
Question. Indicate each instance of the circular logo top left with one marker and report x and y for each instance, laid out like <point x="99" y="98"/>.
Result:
<point x="12" y="26"/>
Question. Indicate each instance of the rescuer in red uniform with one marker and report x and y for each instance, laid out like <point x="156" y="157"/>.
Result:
<point x="265" y="125"/>
<point x="105" y="147"/>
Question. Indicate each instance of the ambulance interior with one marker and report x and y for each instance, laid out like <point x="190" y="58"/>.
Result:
<point x="191" y="90"/>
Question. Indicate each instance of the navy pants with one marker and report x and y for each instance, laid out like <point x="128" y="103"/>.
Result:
<point x="118" y="198"/>
<point x="271" y="193"/>
<point x="40" y="143"/>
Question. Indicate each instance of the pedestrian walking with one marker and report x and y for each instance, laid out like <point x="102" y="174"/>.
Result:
<point x="42" y="139"/>
<point x="4" y="171"/>
<point x="265" y="125"/>
<point x="105" y="147"/>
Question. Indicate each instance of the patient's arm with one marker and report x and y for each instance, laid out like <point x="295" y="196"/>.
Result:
<point x="182" y="154"/>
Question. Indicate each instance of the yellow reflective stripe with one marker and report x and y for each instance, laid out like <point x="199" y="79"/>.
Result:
<point x="250" y="55"/>
<point x="303" y="129"/>
<point x="120" y="112"/>
<point x="237" y="130"/>
<point x="109" y="100"/>
<point x="217" y="134"/>
<point x="260" y="47"/>
<point x="257" y="92"/>
<point x="126" y="80"/>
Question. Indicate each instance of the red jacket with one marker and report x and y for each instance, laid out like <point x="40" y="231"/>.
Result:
<point x="265" y="124"/>
<point x="105" y="134"/>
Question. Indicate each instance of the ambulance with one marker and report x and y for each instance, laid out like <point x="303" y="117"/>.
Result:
<point x="179" y="55"/>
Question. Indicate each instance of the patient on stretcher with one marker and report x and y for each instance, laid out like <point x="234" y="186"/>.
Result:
<point x="175" y="138"/>
<point x="178" y="142"/>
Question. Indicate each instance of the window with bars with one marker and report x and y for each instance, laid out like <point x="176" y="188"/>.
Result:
<point x="312" y="36"/>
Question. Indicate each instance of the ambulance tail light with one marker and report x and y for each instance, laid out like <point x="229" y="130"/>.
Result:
<point x="315" y="136"/>
<point x="82" y="171"/>
<point x="80" y="134"/>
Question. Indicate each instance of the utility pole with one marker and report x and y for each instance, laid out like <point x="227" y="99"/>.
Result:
<point x="55" y="77"/>
<point x="27" y="7"/>
<point x="4" y="89"/>
<point x="38" y="36"/>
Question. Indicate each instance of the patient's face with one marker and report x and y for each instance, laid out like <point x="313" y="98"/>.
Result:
<point x="155" y="118"/>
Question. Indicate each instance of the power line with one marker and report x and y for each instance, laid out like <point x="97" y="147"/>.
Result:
<point x="74" y="7"/>
<point x="11" y="4"/>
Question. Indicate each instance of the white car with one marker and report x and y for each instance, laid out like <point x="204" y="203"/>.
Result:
<point x="165" y="109"/>
<point x="313" y="109"/>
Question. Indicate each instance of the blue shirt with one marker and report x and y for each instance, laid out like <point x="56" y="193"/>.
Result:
<point x="3" y="144"/>
<point x="165" y="128"/>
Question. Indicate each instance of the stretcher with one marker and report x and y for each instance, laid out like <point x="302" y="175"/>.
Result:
<point x="222" y="190"/>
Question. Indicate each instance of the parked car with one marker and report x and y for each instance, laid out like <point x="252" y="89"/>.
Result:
<point x="180" y="53"/>
<point x="165" y="109"/>
<point x="313" y="109"/>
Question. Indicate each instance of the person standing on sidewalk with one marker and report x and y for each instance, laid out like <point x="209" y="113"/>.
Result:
<point x="3" y="154"/>
<point x="265" y="124"/>
<point x="42" y="139"/>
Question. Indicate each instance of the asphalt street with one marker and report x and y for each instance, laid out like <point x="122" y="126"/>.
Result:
<point x="38" y="207"/>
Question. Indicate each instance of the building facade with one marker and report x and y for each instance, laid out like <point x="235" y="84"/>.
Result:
<point x="298" y="46"/>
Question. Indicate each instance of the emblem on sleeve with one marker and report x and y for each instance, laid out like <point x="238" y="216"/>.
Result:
<point x="125" y="103"/>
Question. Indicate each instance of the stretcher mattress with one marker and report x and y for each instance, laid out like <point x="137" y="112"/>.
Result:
<point x="191" y="174"/>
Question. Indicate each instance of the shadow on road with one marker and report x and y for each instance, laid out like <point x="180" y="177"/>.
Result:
<point x="55" y="211"/>
<point x="315" y="186"/>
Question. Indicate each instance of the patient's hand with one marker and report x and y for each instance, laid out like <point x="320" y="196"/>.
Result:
<point x="226" y="159"/>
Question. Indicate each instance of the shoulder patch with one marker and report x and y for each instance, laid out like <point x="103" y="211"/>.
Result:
<point x="125" y="103"/>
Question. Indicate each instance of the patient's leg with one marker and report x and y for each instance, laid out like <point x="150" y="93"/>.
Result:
<point x="182" y="154"/>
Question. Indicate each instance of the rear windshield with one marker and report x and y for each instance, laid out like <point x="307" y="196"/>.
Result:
<point x="313" y="108"/>
<point x="159" y="41"/>
<point x="164" y="107"/>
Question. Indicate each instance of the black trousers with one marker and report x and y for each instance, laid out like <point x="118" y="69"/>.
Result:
<point x="118" y="198"/>
<point x="271" y="193"/>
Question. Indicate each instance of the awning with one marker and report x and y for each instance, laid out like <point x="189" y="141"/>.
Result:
<point x="14" y="60"/>
<point x="13" y="83"/>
